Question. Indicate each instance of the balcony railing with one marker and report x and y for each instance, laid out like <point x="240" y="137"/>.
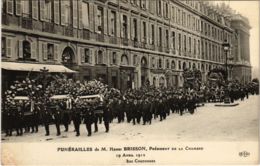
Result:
<point x="27" y="23"/>
<point x="86" y="34"/>
<point x="113" y="40"/>
<point x="100" y="37"/>
<point x="48" y="27"/>
<point x="68" y="31"/>
<point x="125" y="41"/>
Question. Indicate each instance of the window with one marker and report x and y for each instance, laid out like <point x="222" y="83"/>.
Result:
<point x="124" y="60"/>
<point x="189" y="44"/>
<point x="160" y="7"/>
<point x="160" y="37"/>
<point x="152" y="29"/>
<point x="50" y="51"/>
<point x="160" y="63"/>
<point x="173" y="65"/>
<point x="87" y="55"/>
<point x="194" y="46"/>
<point x="179" y="65"/>
<point x="114" y="57"/>
<point x="135" y="60"/>
<point x="113" y="23"/>
<point x="85" y="15"/>
<point x="173" y="40"/>
<point x="3" y="47"/>
<point x="26" y="8"/>
<point x="100" y="21"/>
<point x="26" y="50"/>
<point x="198" y="47"/>
<point x="167" y="10"/>
<point x="173" y="14"/>
<point x="153" y="62"/>
<point x="144" y="32"/>
<point x="135" y="29"/>
<point x="167" y="38"/>
<point x="124" y="26"/>
<point x="143" y="4"/>
<point x="67" y="12"/>
<point x="185" y="43"/>
<point x="180" y="42"/>
<point x="100" y="57"/>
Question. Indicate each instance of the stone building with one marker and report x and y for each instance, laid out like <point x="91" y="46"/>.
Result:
<point x="125" y="43"/>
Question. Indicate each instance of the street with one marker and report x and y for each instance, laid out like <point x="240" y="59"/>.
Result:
<point x="209" y="123"/>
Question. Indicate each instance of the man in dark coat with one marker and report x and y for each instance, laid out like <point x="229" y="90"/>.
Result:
<point x="19" y="119"/>
<point x="88" y="118"/>
<point x="134" y="111"/>
<point x="76" y="117"/>
<point x="46" y="118"/>
<point x="106" y="115"/>
<point x="58" y="116"/>
<point x="161" y="108"/>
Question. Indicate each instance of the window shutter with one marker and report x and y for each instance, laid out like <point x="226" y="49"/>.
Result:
<point x="91" y="17"/>
<point x="132" y="29"/>
<point x="56" y="52"/>
<point x="80" y="14"/>
<point x="128" y="27"/>
<point x="75" y="11"/>
<point x="35" y="9"/>
<point x="44" y="51"/>
<point x="18" y="7"/>
<point x="122" y="32"/>
<point x="10" y="6"/>
<point x="20" y="48"/>
<point x="105" y="21"/>
<point x="56" y="12"/>
<point x="104" y="57"/>
<point x="40" y="50"/>
<point x="82" y="55"/>
<point x="91" y="56"/>
<point x="96" y="17"/>
<point x="42" y="7"/>
<point x="62" y="13"/>
<point x="118" y="31"/>
<point x="33" y="50"/>
<point x="9" y="45"/>
<point x="110" y="26"/>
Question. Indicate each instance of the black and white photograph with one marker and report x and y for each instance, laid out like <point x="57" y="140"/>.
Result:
<point x="118" y="82"/>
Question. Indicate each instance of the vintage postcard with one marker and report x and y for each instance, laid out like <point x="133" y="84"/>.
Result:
<point x="129" y="82"/>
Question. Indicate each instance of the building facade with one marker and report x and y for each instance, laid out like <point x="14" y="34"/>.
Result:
<point x="125" y="43"/>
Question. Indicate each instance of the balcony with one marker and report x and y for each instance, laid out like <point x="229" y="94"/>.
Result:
<point x="100" y="37"/>
<point x="27" y="23"/>
<point x="48" y="27"/>
<point x="68" y="31"/>
<point x="125" y="42"/>
<point x="86" y="34"/>
<point x="113" y="40"/>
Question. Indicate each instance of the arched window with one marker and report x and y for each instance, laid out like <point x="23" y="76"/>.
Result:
<point x="100" y="57"/>
<point x="143" y="62"/>
<point x="67" y="55"/>
<point x="173" y="65"/>
<point x="154" y="81"/>
<point x="124" y="60"/>
<point x="179" y="65"/>
<point x="26" y="50"/>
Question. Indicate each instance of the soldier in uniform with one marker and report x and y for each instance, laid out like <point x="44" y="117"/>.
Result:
<point x="182" y="103"/>
<point x="65" y="107"/>
<point x="46" y="117"/>
<point x="57" y="113"/>
<point x="35" y="118"/>
<point x="128" y="110"/>
<point x="134" y="111"/>
<point x="106" y="115"/>
<point x="161" y="108"/>
<point x="88" y="118"/>
<point x="10" y="119"/>
<point x="139" y="111"/>
<point x="19" y="120"/>
<point x="76" y="117"/>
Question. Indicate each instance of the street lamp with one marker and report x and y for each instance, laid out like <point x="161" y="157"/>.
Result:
<point x="226" y="47"/>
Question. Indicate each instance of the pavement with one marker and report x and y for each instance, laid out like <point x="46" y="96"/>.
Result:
<point x="208" y="123"/>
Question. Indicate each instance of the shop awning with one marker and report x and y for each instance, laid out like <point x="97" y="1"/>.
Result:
<point x="35" y="67"/>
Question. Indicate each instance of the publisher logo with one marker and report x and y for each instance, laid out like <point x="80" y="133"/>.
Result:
<point x="244" y="154"/>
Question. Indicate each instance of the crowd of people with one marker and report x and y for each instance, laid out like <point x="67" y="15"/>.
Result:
<point x="134" y="106"/>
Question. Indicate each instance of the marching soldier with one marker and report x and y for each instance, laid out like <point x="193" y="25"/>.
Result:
<point x="35" y="118"/>
<point x="106" y="115"/>
<point x="134" y="111"/>
<point x="19" y="117"/>
<point x="57" y="114"/>
<point x="76" y="117"/>
<point x="46" y="117"/>
<point x="88" y="118"/>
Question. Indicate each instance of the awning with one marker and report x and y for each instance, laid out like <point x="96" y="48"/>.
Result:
<point x="35" y="67"/>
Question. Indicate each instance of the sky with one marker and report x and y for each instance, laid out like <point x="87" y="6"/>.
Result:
<point x="250" y="9"/>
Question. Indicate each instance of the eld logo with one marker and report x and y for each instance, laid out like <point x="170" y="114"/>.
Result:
<point x="244" y="154"/>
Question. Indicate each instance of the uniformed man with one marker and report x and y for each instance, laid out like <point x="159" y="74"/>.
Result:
<point x="58" y="116"/>
<point x="19" y="119"/>
<point x="47" y="118"/>
<point x="76" y="118"/>
<point x="35" y="118"/>
<point x="88" y="118"/>
<point x="134" y="111"/>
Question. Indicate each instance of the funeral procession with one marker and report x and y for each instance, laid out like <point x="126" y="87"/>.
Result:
<point x="118" y="68"/>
